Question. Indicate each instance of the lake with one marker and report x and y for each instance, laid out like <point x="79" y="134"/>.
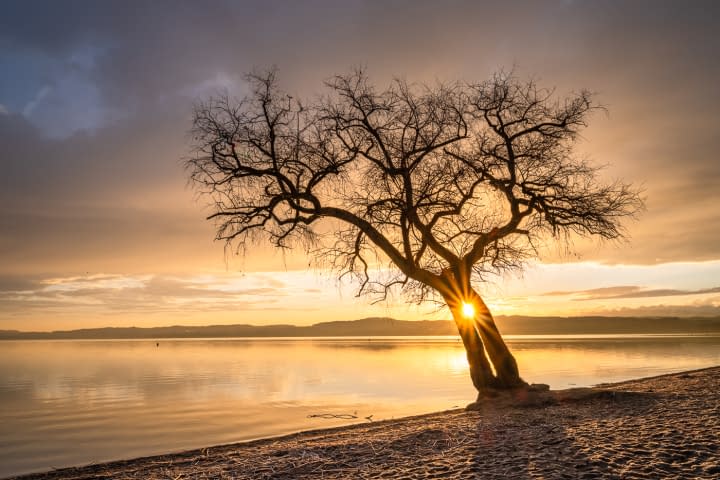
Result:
<point x="65" y="403"/>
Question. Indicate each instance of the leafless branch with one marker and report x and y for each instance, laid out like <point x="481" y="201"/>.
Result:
<point x="394" y="187"/>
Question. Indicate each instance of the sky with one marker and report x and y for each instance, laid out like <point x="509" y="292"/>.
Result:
<point x="99" y="227"/>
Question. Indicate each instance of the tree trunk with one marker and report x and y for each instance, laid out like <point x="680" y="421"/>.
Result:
<point x="492" y="366"/>
<point x="480" y="370"/>
<point x="504" y="363"/>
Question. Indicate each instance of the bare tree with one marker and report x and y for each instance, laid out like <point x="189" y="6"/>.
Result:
<point x="424" y="189"/>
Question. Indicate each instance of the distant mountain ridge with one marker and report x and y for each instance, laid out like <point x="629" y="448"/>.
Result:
<point x="384" y="326"/>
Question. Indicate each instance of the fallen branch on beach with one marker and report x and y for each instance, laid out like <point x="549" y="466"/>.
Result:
<point x="342" y="416"/>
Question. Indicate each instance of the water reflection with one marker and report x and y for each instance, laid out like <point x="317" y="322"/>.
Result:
<point x="74" y="402"/>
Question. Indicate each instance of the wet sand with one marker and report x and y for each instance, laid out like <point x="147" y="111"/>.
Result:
<point x="659" y="427"/>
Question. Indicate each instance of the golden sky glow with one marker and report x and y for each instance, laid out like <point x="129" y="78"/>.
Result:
<point x="98" y="226"/>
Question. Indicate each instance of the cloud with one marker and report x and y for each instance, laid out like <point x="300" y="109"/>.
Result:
<point x="619" y="290"/>
<point x="86" y="286"/>
<point x="39" y="96"/>
<point x="701" y="310"/>
<point x="609" y="293"/>
<point x="92" y="175"/>
<point x="151" y="294"/>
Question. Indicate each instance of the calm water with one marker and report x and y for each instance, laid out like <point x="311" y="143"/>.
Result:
<point x="67" y="403"/>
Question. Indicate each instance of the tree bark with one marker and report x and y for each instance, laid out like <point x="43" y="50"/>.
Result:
<point x="480" y="370"/>
<point x="492" y="365"/>
<point x="507" y="374"/>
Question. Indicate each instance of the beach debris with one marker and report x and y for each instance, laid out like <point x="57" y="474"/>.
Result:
<point x="343" y="416"/>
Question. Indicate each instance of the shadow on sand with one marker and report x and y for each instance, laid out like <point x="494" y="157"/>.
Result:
<point x="534" y="435"/>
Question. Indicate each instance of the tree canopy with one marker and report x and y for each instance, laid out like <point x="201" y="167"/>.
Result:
<point x="417" y="178"/>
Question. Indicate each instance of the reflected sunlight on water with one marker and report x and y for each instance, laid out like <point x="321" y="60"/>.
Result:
<point x="75" y="402"/>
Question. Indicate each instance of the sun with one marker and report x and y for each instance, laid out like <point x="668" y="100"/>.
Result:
<point x="468" y="310"/>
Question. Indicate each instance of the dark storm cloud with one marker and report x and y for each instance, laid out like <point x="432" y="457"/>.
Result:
<point x="95" y="102"/>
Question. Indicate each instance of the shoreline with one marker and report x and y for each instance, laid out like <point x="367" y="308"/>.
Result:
<point x="654" y="427"/>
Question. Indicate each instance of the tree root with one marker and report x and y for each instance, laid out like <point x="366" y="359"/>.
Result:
<point x="540" y="395"/>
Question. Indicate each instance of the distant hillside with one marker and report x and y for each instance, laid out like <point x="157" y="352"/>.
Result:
<point x="513" y="325"/>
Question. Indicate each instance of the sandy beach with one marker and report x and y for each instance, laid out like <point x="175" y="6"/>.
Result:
<point x="660" y="427"/>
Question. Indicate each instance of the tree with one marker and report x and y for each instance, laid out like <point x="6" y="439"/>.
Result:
<point x="424" y="189"/>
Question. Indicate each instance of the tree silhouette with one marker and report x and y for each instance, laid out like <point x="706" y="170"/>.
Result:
<point x="424" y="189"/>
